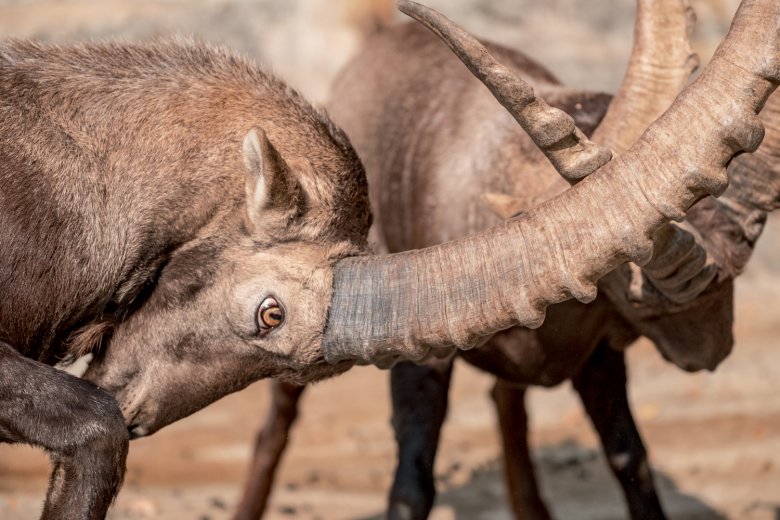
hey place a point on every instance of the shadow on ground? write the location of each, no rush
(576, 484)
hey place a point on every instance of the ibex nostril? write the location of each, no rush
(137, 431)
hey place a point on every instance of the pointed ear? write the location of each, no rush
(269, 184)
(505, 206)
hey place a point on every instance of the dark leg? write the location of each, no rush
(270, 444)
(78, 424)
(419, 406)
(518, 467)
(602, 387)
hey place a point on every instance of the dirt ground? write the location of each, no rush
(714, 439)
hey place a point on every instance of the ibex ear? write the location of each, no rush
(505, 206)
(269, 184)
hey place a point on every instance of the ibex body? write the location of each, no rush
(429, 157)
(434, 141)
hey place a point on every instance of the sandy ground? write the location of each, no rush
(714, 439)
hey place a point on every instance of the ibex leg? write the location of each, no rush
(77, 423)
(602, 388)
(521, 484)
(419, 407)
(270, 444)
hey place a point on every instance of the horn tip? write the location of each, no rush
(406, 6)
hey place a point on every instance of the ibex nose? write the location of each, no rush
(134, 427)
(136, 431)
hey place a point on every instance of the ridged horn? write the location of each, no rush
(661, 63)
(572, 154)
(753, 192)
(457, 293)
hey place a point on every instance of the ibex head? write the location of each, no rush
(248, 298)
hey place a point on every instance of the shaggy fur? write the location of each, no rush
(127, 230)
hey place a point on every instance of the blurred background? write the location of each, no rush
(714, 439)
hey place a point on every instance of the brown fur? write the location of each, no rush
(184, 107)
(433, 140)
(127, 230)
(89, 338)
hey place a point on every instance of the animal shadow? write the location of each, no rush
(575, 483)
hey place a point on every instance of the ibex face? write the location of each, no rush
(245, 301)
(177, 207)
(221, 318)
(695, 335)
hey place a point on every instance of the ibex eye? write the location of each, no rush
(269, 315)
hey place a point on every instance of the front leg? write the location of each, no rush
(521, 483)
(419, 407)
(77, 423)
(270, 444)
(602, 387)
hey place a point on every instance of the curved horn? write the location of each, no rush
(459, 292)
(572, 154)
(736, 220)
(756, 182)
(661, 62)
(753, 192)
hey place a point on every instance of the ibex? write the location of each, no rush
(198, 226)
(433, 140)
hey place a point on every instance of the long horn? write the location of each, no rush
(551, 129)
(753, 192)
(661, 62)
(457, 293)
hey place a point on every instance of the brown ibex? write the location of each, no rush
(433, 140)
(198, 226)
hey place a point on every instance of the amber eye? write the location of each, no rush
(270, 314)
